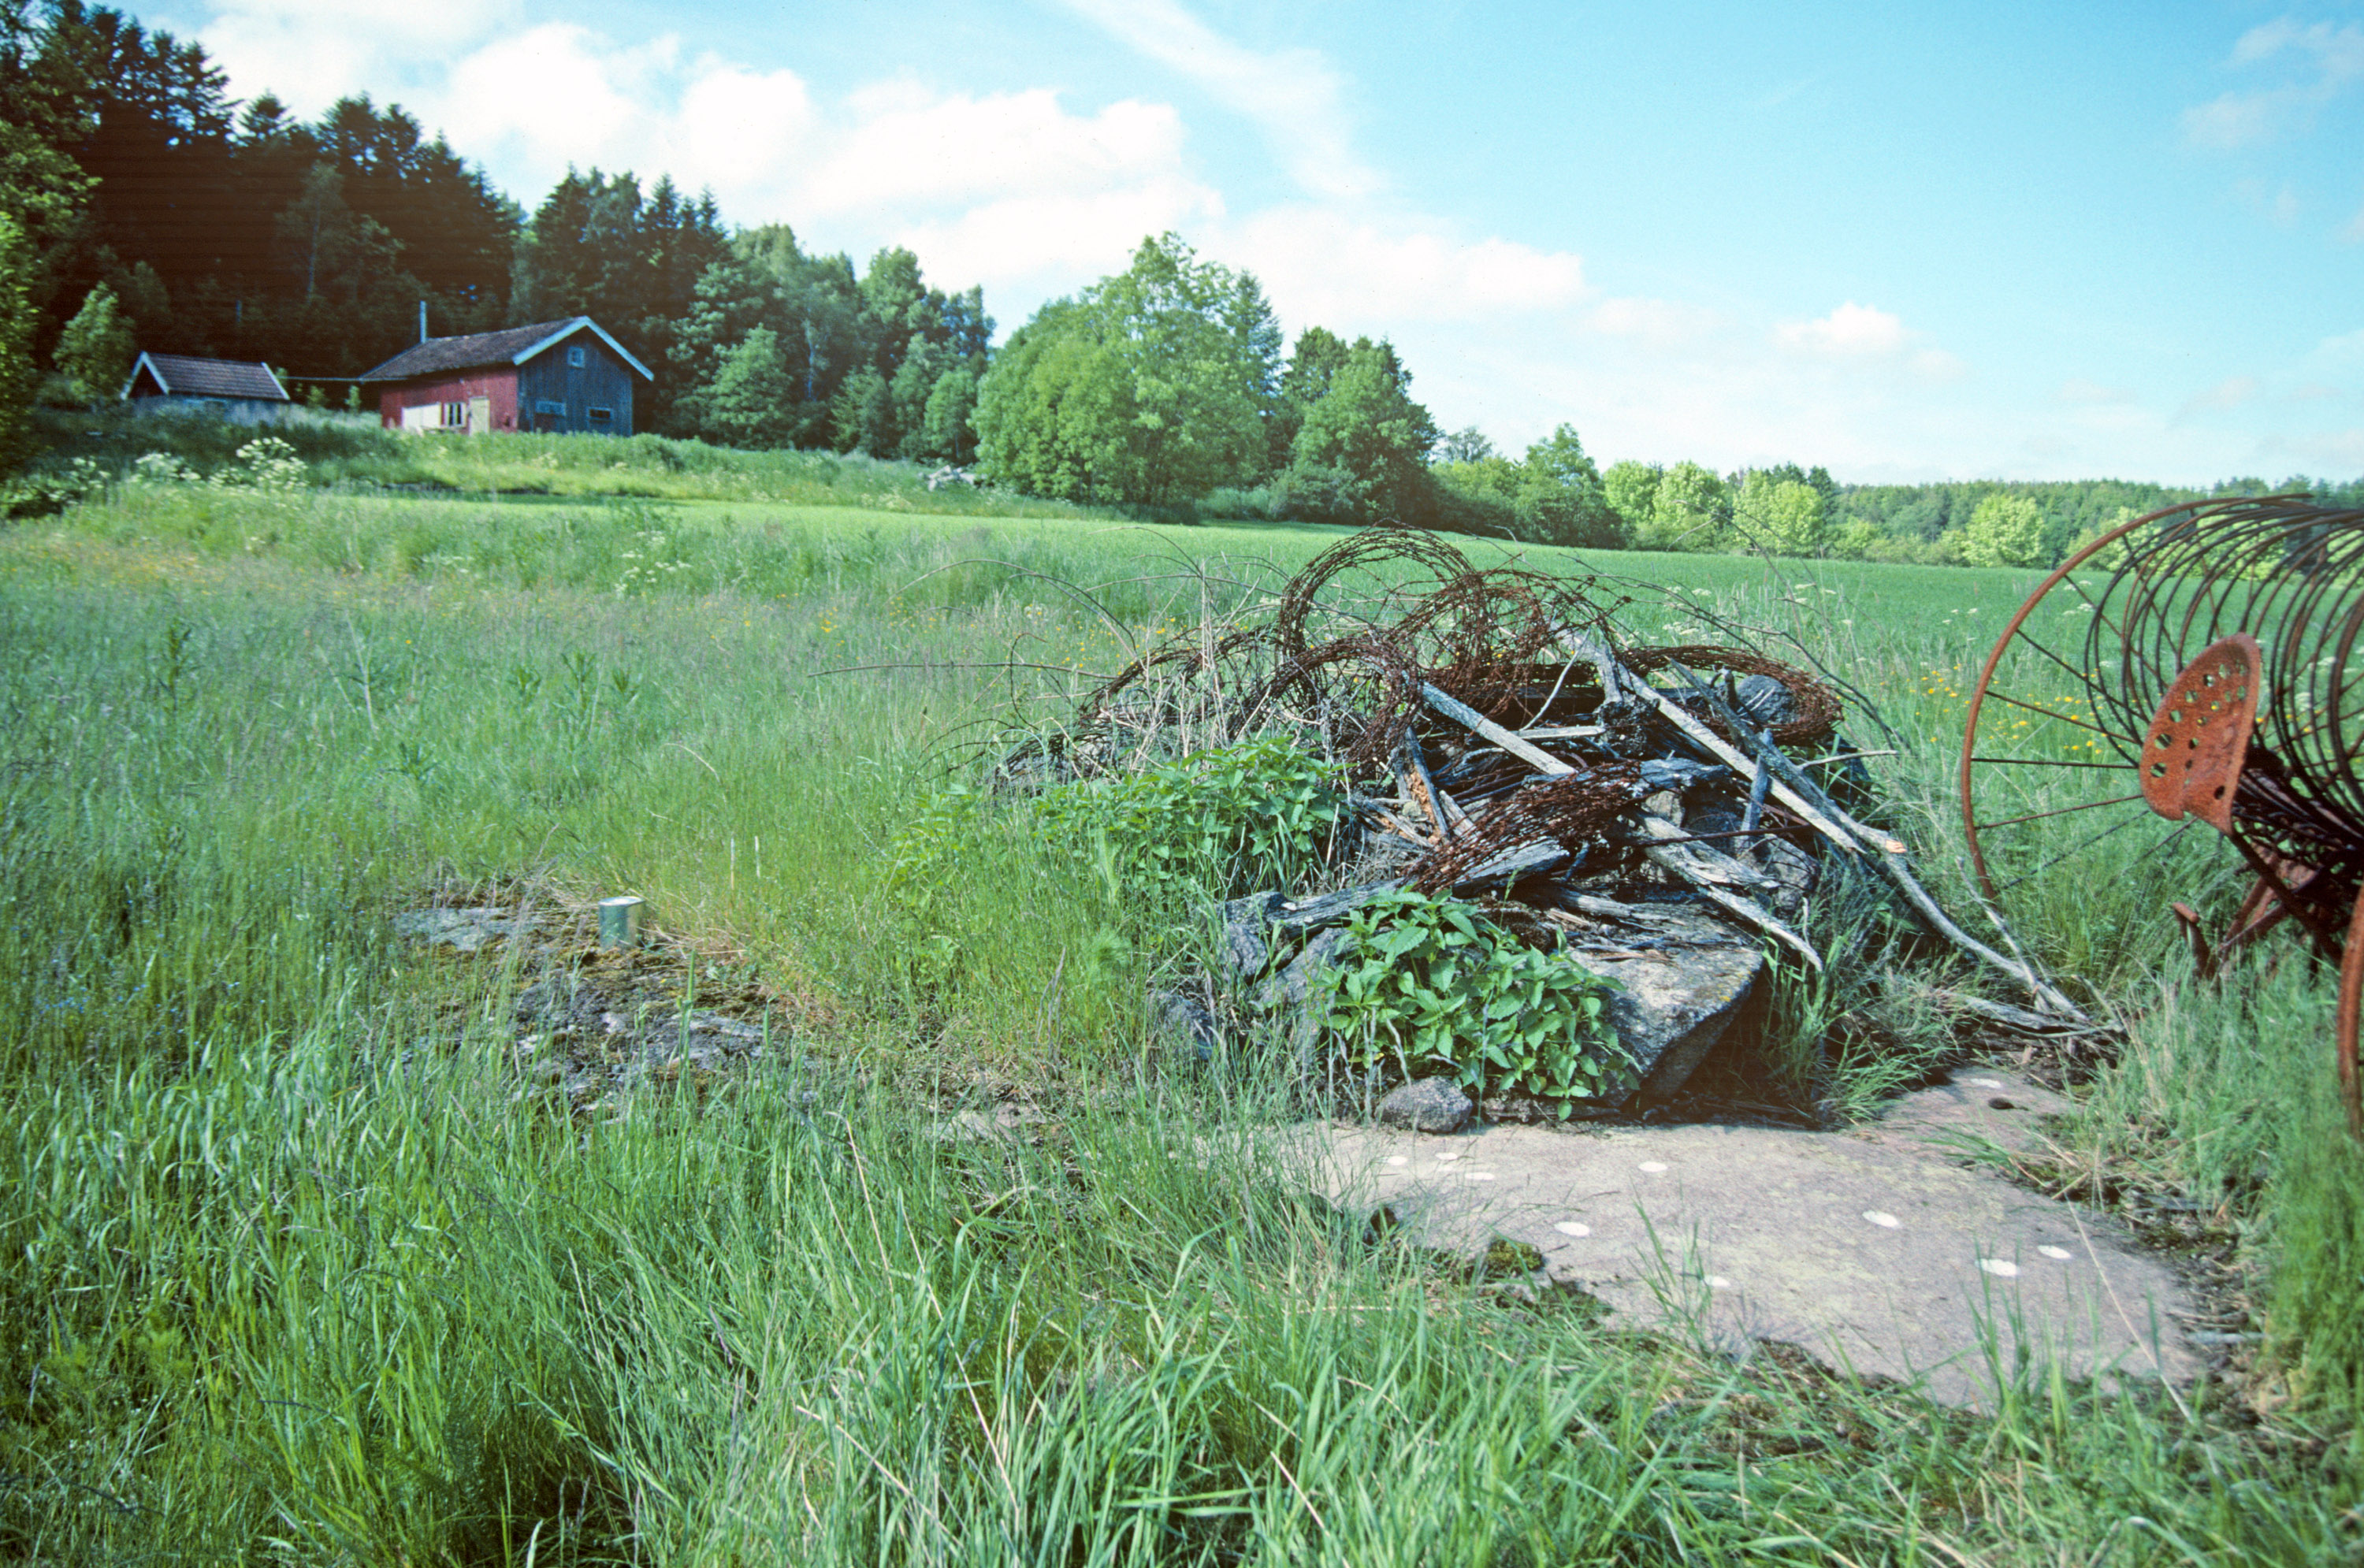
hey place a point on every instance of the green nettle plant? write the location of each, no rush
(1425, 981)
(1223, 821)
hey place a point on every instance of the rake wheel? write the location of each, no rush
(2193, 666)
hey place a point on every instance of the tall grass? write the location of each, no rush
(311, 1302)
(341, 451)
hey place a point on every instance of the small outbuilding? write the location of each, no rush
(560, 376)
(241, 391)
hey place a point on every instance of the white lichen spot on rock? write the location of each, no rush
(2001, 1268)
(1572, 1228)
(1882, 1218)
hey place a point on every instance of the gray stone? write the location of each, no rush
(1285, 1000)
(466, 930)
(1680, 988)
(1182, 1022)
(1876, 1249)
(1793, 870)
(1294, 985)
(1250, 925)
(1426, 1105)
(1247, 933)
(1765, 702)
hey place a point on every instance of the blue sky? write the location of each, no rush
(1907, 242)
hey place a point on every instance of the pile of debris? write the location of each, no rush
(1660, 814)
(596, 1024)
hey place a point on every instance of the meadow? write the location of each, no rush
(303, 1263)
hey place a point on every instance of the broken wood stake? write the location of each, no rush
(1672, 859)
(1891, 866)
(1713, 744)
(1526, 751)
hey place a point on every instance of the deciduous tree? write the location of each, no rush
(1689, 509)
(1142, 388)
(1363, 452)
(1780, 515)
(1632, 491)
(2004, 530)
(95, 350)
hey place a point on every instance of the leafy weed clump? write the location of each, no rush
(1223, 821)
(1423, 983)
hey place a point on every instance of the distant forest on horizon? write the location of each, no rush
(142, 208)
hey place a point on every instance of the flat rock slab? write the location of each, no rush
(1876, 1249)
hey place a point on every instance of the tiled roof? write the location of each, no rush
(187, 376)
(511, 345)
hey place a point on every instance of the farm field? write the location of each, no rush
(305, 1262)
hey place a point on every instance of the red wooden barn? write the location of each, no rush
(565, 376)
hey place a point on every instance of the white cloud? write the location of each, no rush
(2332, 452)
(310, 52)
(2230, 393)
(1364, 275)
(2337, 52)
(1851, 332)
(1293, 96)
(2235, 119)
(2279, 207)
(914, 148)
(1007, 189)
(2326, 59)
(1050, 244)
(894, 157)
(1866, 335)
(1662, 323)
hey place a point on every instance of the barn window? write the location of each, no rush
(575, 358)
(544, 405)
(455, 415)
(601, 416)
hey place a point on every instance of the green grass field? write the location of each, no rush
(303, 1263)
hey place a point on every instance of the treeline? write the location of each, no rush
(1166, 387)
(141, 208)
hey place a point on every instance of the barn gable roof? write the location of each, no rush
(510, 346)
(186, 376)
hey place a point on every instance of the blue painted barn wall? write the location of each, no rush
(555, 396)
